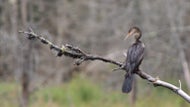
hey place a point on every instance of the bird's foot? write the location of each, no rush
(119, 68)
(116, 69)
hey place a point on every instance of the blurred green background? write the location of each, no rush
(80, 92)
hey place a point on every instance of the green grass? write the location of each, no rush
(77, 92)
(8, 95)
(81, 92)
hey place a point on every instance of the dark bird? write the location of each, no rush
(134, 58)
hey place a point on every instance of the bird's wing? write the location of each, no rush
(135, 54)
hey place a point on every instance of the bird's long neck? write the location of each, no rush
(138, 36)
(137, 40)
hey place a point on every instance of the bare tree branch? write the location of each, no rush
(69, 50)
(76, 53)
(157, 82)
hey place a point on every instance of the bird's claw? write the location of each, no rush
(119, 68)
(116, 69)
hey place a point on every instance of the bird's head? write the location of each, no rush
(134, 31)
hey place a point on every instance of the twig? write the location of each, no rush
(179, 84)
(76, 53)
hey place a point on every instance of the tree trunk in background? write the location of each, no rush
(26, 61)
(14, 15)
(136, 22)
(25, 83)
(175, 34)
(24, 12)
(134, 93)
(182, 52)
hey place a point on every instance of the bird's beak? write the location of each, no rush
(127, 36)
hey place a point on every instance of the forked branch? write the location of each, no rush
(77, 53)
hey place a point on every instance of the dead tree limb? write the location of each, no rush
(76, 53)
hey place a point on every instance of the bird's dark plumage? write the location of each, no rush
(134, 58)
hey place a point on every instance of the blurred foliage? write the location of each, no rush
(78, 91)
(81, 92)
(8, 95)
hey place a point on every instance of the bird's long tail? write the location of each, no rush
(128, 82)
